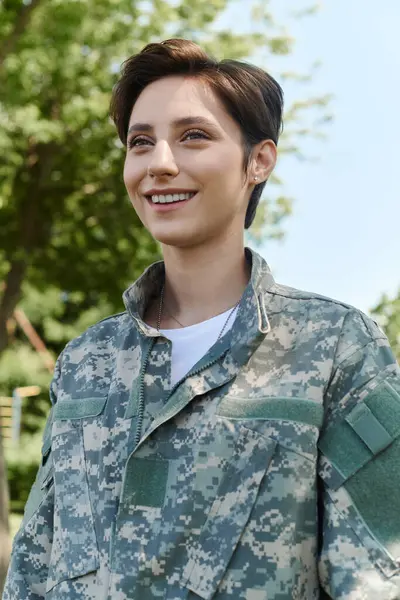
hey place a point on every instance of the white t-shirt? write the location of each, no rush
(189, 344)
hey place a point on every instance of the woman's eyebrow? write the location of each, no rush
(183, 121)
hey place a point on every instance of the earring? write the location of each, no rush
(255, 178)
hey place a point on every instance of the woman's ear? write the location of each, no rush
(264, 160)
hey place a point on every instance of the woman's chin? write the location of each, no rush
(176, 237)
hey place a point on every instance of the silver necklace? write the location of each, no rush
(160, 311)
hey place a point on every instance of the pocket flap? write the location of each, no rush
(74, 550)
(82, 570)
(210, 553)
(300, 410)
(79, 408)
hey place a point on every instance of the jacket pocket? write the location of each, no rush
(74, 550)
(360, 469)
(210, 553)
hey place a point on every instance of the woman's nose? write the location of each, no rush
(162, 161)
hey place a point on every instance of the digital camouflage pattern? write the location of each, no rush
(210, 489)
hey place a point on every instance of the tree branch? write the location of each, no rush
(10, 298)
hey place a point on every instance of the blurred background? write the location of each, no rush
(70, 243)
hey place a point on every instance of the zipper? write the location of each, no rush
(156, 423)
(138, 433)
(196, 372)
(141, 395)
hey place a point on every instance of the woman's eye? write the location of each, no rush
(137, 141)
(195, 134)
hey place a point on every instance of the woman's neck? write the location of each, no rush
(203, 282)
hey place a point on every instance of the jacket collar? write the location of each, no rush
(252, 315)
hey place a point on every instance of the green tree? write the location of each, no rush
(70, 241)
(387, 315)
(62, 199)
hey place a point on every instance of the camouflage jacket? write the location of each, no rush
(271, 471)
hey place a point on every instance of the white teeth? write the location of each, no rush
(163, 199)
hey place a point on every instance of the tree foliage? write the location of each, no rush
(387, 314)
(64, 214)
(70, 241)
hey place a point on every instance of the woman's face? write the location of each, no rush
(182, 141)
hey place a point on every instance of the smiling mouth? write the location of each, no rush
(163, 199)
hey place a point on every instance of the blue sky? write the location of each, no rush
(343, 239)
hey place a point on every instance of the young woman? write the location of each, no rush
(226, 437)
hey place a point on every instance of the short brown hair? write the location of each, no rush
(251, 97)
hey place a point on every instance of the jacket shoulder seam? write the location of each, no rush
(303, 295)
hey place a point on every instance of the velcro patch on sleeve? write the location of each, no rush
(366, 431)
